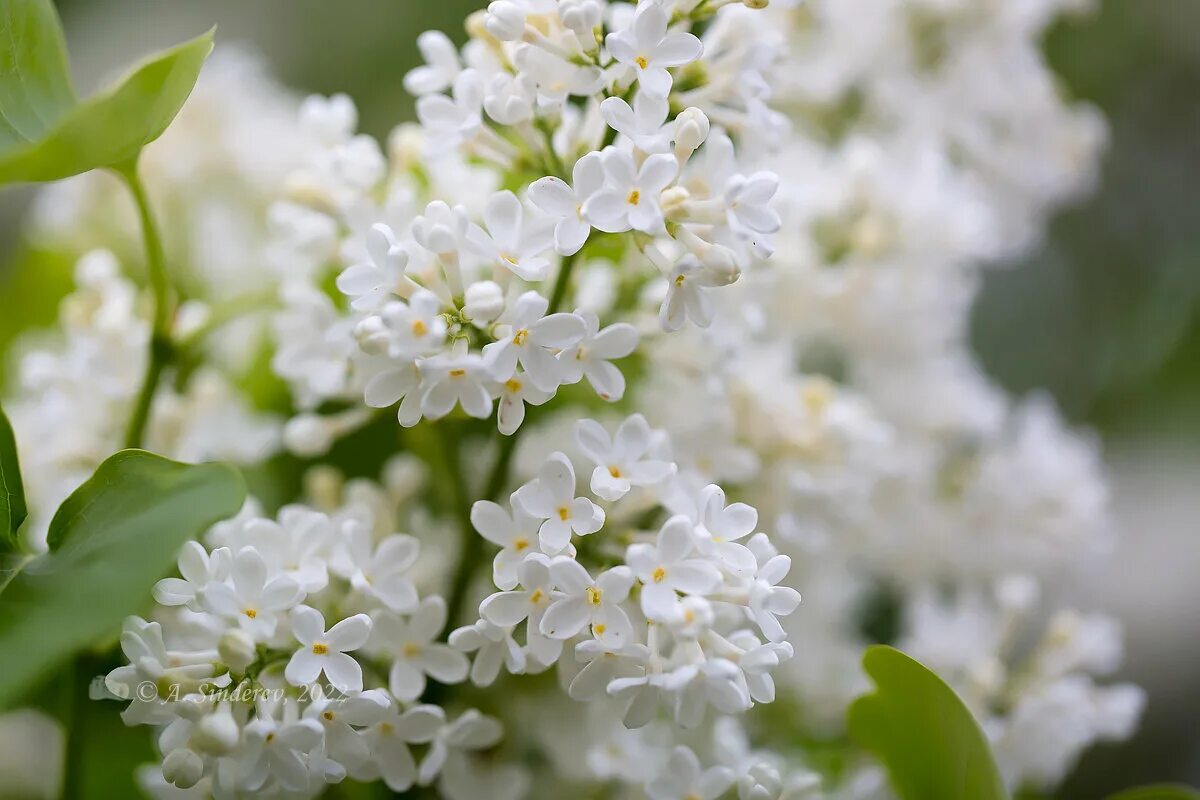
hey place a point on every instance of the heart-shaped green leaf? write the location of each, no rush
(1157, 792)
(12, 491)
(926, 737)
(110, 540)
(45, 135)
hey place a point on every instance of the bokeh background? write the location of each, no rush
(1104, 314)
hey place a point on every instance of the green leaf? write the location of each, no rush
(110, 540)
(1158, 792)
(110, 128)
(35, 83)
(12, 493)
(926, 737)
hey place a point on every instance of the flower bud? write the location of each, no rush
(371, 335)
(505, 20)
(236, 650)
(580, 16)
(484, 301)
(691, 129)
(308, 435)
(182, 768)
(216, 733)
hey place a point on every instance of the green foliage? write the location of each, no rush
(12, 493)
(110, 540)
(35, 83)
(47, 135)
(926, 737)
(1157, 792)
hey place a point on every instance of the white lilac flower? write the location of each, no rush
(565, 203)
(530, 339)
(493, 646)
(645, 123)
(717, 682)
(555, 78)
(279, 750)
(650, 50)
(748, 200)
(512, 242)
(683, 779)
(441, 66)
(667, 567)
(621, 460)
(586, 602)
(450, 379)
(512, 395)
(198, 569)
(592, 355)
(720, 526)
(551, 498)
(768, 600)
(324, 651)
(530, 601)
(388, 740)
(603, 664)
(631, 196)
(452, 120)
(340, 718)
(414, 653)
(380, 572)
(251, 597)
(373, 282)
(471, 731)
(516, 534)
(687, 295)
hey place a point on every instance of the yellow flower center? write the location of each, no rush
(419, 328)
(564, 513)
(594, 595)
(634, 197)
(327, 716)
(537, 596)
(659, 575)
(320, 649)
(614, 471)
(386, 728)
(513, 385)
(250, 612)
(599, 628)
(520, 543)
(520, 336)
(411, 649)
(642, 62)
(457, 373)
(679, 280)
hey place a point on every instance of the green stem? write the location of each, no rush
(472, 549)
(560, 284)
(161, 348)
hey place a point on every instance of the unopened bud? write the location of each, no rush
(216, 733)
(308, 435)
(484, 300)
(505, 20)
(691, 129)
(182, 768)
(236, 650)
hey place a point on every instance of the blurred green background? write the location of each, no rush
(1104, 314)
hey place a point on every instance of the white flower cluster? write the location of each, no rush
(74, 393)
(293, 652)
(704, 630)
(254, 692)
(454, 285)
(586, 178)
